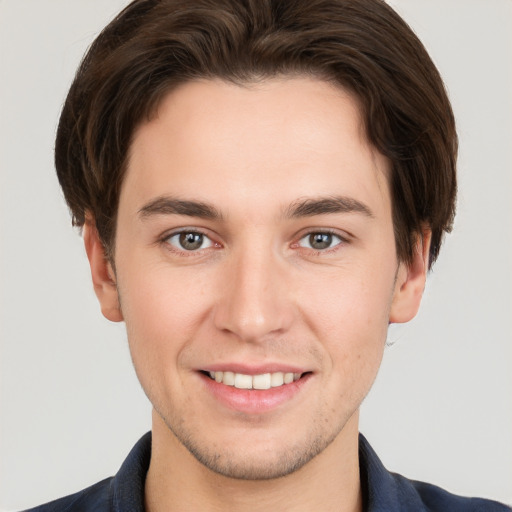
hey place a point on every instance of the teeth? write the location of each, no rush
(243, 381)
(288, 378)
(262, 381)
(228, 378)
(276, 379)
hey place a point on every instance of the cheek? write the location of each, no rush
(156, 295)
(162, 310)
(351, 305)
(349, 313)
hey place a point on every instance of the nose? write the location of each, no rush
(255, 302)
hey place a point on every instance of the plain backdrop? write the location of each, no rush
(71, 407)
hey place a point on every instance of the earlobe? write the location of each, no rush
(410, 282)
(102, 274)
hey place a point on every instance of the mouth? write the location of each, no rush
(256, 391)
(261, 381)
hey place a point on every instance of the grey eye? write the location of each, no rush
(190, 241)
(319, 241)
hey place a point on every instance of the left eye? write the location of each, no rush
(320, 241)
(190, 241)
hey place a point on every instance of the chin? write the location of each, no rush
(264, 466)
(253, 459)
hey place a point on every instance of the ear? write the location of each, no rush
(103, 276)
(410, 282)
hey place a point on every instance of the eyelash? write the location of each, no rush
(165, 240)
(342, 240)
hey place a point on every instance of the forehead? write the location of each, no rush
(241, 145)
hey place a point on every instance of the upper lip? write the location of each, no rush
(251, 369)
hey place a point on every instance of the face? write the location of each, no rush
(256, 270)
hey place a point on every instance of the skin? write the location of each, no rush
(256, 291)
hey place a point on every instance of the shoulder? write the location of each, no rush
(97, 498)
(436, 499)
(390, 492)
(413, 496)
(124, 492)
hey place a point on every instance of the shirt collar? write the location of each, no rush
(128, 484)
(382, 490)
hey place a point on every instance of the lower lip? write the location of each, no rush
(255, 401)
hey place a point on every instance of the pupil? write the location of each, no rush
(191, 241)
(320, 240)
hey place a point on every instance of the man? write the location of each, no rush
(262, 189)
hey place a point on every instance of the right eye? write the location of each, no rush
(189, 241)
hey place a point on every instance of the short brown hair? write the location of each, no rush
(360, 45)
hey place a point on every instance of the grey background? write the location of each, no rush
(71, 407)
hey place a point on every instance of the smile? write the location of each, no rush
(256, 390)
(261, 381)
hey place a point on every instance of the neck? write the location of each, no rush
(177, 481)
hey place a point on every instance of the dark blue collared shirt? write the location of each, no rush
(383, 491)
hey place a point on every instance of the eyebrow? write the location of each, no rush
(309, 207)
(166, 205)
(326, 205)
